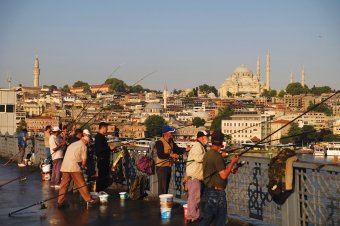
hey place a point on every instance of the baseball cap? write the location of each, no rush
(55, 129)
(202, 133)
(217, 138)
(166, 129)
(86, 131)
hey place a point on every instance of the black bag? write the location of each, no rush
(138, 188)
(276, 174)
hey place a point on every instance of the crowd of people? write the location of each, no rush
(72, 154)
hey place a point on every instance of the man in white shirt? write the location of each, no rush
(74, 161)
(56, 148)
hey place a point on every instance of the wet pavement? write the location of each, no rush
(31, 191)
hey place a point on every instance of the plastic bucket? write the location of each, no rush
(123, 195)
(103, 197)
(94, 195)
(165, 213)
(166, 200)
(185, 208)
(46, 168)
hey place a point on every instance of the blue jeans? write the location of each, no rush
(215, 208)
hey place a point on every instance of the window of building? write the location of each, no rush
(2, 108)
(9, 108)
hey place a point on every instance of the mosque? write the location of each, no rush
(243, 82)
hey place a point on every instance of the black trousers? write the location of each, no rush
(104, 178)
(163, 175)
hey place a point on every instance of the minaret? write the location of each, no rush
(36, 72)
(258, 69)
(268, 72)
(291, 78)
(165, 96)
(303, 76)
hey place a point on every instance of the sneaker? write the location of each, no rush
(57, 186)
(21, 165)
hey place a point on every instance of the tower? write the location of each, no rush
(36, 72)
(303, 76)
(258, 69)
(165, 97)
(268, 72)
(291, 78)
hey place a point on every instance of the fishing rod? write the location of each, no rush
(87, 103)
(103, 108)
(299, 116)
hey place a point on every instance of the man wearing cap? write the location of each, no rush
(22, 144)
(56, 146)
(215, 175)
(77, 135)
(74, 162)
(167, 150)
(102, 151)
(194, 172)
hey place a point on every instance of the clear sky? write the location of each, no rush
(188, 42)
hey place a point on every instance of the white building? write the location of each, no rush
(7, 112)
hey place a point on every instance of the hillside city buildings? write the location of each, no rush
(39, 106)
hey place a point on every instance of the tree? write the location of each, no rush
(319, 90)
(206, 89)
(321, 108)
(296, 89)
(22, 124)
(53, 87)
(65, 89)
(293, 134)
(282, 93)
(197, 122)
(224, 113)
(154, 124)
(117, 85)
(136, 89)
(269, 93)
(87, 89)
(80, 84)
(191, 94)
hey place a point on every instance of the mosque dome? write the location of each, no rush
(243, 69)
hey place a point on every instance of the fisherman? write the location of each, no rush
(77, 135)
(102, 151)
(74, 162)
(56, 145)
(194, 172)
(91, 167)
(47, 134)
(167, 151)
(22, 144)
(215, 175)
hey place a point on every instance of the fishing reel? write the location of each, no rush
(237, 166)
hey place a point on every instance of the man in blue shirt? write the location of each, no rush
(22, 144)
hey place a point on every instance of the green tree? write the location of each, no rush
(52, 87)
(270, 93)
(281, 93)
(197, 122)
(319, 90)
(191, 94)
(87, 89)
(206, 89)
(80, 84)
(224, 113)
(22, 124)
(296, 89)
(321, 108)
(293, 134)
(136, 89)
(65, 89)
(117, 85)
(154, 124)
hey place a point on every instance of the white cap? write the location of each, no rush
(86, 131)
(55, 129)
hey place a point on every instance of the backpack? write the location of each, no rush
(277, 187)
(138, 187)
(146, 165)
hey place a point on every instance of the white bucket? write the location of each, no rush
(46, 168)
(165, 213)
(166, 200)
(123, 195)
(94, 195)
(103, 197)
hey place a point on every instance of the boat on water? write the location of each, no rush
(319, 151)
(333, 148)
